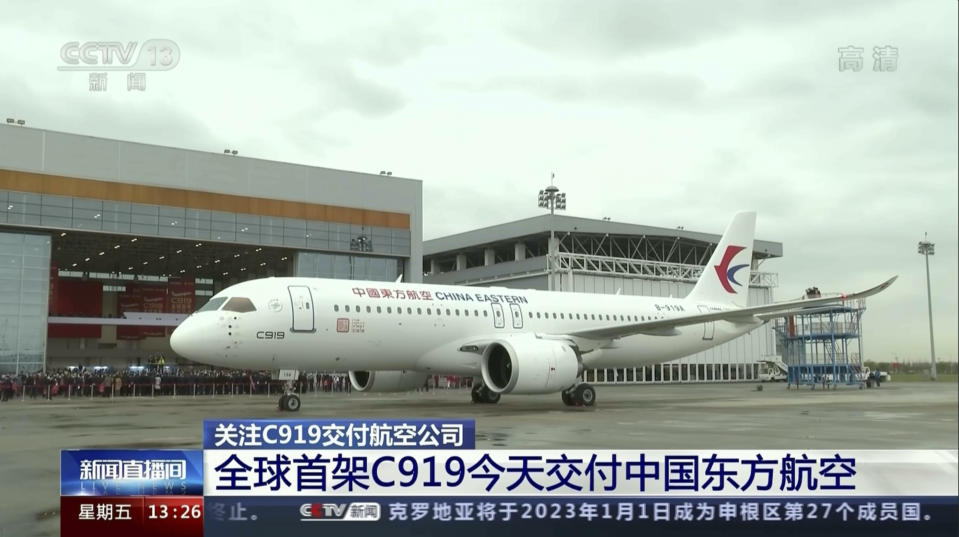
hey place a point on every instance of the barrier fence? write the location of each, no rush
(15, 391)
(166, 388)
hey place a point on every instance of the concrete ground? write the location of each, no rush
(911, 415)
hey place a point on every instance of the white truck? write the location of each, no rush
(772, 370)
(869, 377)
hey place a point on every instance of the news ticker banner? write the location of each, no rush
(413, 476)
(577, 516)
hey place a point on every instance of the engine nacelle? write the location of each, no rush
(387, 381)
(528, 365)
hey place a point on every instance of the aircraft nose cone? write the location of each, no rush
(185, 342)
(200, 339)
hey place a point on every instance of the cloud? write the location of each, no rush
(603, 88)
(617, 28)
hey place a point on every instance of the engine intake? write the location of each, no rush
(528, 365)
(386, 381)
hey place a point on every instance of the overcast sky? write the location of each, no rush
(664, 113)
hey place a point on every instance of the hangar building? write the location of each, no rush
(92, 228)
(600, 256)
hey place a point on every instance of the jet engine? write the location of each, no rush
(387, 381)
(528, 365)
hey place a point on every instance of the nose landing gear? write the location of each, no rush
(289, 401)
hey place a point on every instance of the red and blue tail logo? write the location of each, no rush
(725, 272)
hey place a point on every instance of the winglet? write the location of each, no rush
(869, 292)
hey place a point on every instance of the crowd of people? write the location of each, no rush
(159, 381)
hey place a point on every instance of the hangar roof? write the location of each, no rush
(537, 226)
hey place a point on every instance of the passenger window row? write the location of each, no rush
(456, 312)
(409, 310)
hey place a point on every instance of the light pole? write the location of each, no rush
(927, 249)
(551, 198)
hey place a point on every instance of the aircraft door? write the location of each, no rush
(517, 314)
(304, 319)
(498, 320)
(709, 329)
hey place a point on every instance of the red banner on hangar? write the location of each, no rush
(181, 296)
(154, 301)
(74, 298)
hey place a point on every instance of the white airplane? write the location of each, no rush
(392, 336)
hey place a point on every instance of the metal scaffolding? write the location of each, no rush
(823, 346)
(657, 270)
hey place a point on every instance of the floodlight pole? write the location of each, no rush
(551, 198)
(927, 248)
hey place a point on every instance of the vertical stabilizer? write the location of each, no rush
(725, 278)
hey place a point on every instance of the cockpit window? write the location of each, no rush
(239, 304)
(213, 304)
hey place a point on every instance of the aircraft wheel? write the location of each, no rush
(292, 403)
(282, 404)
(491, 396)
(567, 398)
(482, 394)
(585, 395)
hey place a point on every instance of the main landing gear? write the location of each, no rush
(289, 401)
(483, 395)
(579, 395)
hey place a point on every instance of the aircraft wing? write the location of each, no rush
(750, 315)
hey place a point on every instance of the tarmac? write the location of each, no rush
(909, 415)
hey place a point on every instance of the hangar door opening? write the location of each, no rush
(302, 301)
